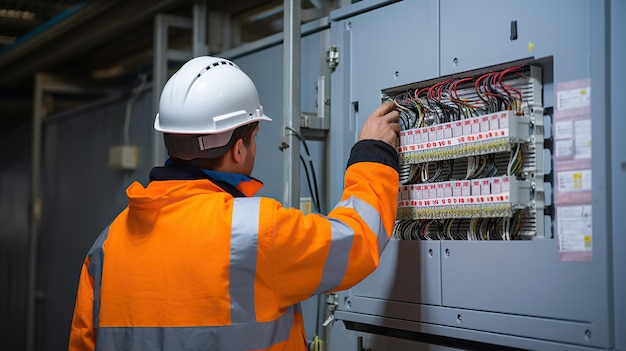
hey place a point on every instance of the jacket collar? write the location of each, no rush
(238, 185)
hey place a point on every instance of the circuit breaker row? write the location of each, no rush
(471, 152)
(486, 134)
(486, 197)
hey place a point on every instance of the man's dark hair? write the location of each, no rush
(244, 133)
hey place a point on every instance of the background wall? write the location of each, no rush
(15, 150)
(81, 194)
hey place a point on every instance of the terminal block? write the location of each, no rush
(491, 133)
(486, 197)
(471, 152)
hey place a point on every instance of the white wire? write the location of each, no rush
(471, 235)
(512, 159)
(471, 166)
(425, 172)
(505, 228)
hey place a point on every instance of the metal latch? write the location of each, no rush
(328, 320)
(333, 57)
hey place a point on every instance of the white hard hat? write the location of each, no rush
(208, 96)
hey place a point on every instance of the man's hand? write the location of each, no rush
(382, 124)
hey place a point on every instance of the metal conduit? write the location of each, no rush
(291, 105)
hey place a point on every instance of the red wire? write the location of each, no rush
(476, 85)
(505, 86)
(456, 94)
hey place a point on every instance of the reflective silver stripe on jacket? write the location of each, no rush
(371, 217)
(342, 235)
(337, 261)
(236, 337)
(243, 250)
(96, 260)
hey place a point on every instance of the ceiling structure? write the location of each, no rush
(108, 43)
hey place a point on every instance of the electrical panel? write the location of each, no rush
(471, 156)
(506, 232)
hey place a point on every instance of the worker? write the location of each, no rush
(196, 262)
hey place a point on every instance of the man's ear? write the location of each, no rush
(237, 151)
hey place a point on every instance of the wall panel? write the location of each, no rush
(15, 147)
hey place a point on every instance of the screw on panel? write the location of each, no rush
(455, 62)
(430, 252)
(447, 252)
(587, 334)
(397, 75)
(459, 318)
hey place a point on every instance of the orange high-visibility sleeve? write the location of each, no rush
(82, 333)
(314, 254)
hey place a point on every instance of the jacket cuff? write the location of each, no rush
(374, 151)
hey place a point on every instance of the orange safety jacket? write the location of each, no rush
(194, 263)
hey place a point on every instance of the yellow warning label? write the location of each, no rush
(578, 180)
(587, 239)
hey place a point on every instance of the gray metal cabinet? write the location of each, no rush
(516, 294)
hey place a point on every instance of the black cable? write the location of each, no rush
(458, 230)
(308, 180)
(308, 154)
(494, 167)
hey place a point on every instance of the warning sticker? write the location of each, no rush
(574, 223)
(582, 139)
(578, 180)
(572, 165)
(573, 98)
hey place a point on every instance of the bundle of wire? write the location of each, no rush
(450, 100)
